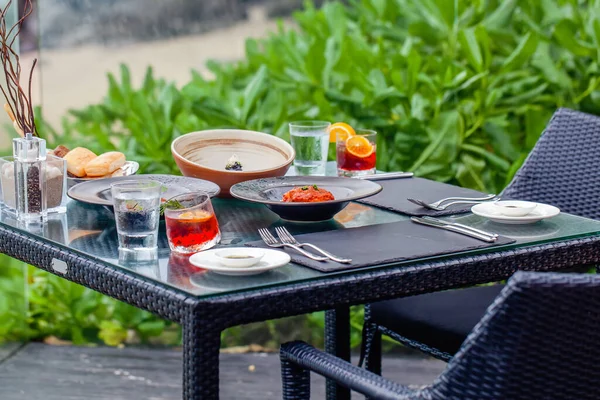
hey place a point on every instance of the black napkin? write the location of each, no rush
(382, 244)
(395, 193)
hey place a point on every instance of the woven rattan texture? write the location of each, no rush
(337, 341)
(331, 292)
(201, 344)
(136, 291)
(220, 312)
(538, 340)
(297, 358)
(204, 319)
(296, 380)
(563, 168)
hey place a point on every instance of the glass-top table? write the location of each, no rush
(81, 246)
(90, 230)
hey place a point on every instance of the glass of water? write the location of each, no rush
(310, 140)
(137, 213)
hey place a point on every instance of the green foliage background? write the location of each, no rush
(459, 91)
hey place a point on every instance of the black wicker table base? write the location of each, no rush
(203, 319)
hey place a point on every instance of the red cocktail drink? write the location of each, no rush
(356, 154)
(191, 223)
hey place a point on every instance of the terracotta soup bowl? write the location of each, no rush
(205, 154)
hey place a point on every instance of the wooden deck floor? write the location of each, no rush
(38, 371)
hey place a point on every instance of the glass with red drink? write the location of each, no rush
(191, 223)
(356, 152)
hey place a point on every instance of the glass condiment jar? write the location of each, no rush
(30, 177)
(56, 184)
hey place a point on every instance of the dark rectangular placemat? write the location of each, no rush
(386, 243)
(395, 193)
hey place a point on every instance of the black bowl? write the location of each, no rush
(270, 192)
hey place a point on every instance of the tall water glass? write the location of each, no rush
(310, 140)
(137, 213)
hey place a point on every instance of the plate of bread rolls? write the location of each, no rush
(83, 164)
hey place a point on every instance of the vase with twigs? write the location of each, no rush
(19, 102)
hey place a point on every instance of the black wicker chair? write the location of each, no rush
(563, 170)
(538, 340)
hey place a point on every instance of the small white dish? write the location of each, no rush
(492, 212)
(515, 208)
(239, 257)
(210, 261)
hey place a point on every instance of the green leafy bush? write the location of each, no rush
(458, 90)
(13, 308)
(51, 306)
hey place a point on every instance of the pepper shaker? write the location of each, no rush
(30, 177)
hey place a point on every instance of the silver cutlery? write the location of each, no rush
(286, 237)
(462, 231)
(441, 221)
(437, 206)
(386, 175)
(270, 241)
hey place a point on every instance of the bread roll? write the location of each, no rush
(77, 159)
(105, 164)
(61, 151)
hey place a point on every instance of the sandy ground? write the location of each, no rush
(75, 77)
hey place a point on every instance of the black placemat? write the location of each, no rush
(395, 193)
(386, 243)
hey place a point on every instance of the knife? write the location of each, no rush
(469, 228)
(387, 175)
(452, 228)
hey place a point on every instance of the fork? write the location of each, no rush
(286, 237)
(270, 241)
(459, 200)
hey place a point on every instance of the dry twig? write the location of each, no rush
(18, 100)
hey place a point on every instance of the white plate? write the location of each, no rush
(490, 211)
(209, 261)
(128, 169)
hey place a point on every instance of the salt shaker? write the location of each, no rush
(30, 177)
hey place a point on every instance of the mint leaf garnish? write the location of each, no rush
(172, 204)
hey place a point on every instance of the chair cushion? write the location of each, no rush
(441, 320)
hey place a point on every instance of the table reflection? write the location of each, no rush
(210, 281)
(91, 230)
(105, 244)
(179, 270)
(143, 263)
(538, 230)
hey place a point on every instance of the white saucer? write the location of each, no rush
(490, 211)
(209, 261)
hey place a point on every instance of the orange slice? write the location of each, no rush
(359, 146)
(343, 129)
(194, 216)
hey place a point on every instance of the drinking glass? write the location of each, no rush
(191, 223)
(56, 184)
(137, 213)
(7, 184)
(356, 154)
(310, 140)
